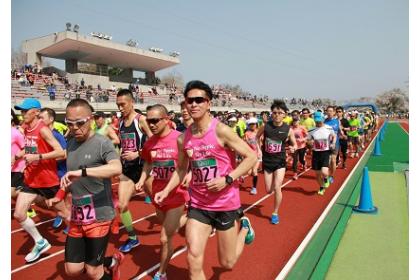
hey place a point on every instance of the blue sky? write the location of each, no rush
(330, 49)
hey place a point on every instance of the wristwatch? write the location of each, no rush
(84, 173)
(229, 180)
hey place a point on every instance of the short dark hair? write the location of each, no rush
(295, 112)
(51, 113)
(277, 103)
(195, 84)
(125, 92)
(158, 107)
(339, 108)
(78, 102)
(305, 109)
(15, 119)
(330, 106)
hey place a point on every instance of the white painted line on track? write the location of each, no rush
(289, 265)
(183, 249)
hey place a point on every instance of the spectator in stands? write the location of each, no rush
(82, 83)
(51, 91)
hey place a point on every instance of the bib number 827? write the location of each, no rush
(204, 174)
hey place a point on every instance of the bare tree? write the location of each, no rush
(173, 78)
(18, 59)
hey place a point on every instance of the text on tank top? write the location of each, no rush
(131, 138)
(209, 160)
(275, 139)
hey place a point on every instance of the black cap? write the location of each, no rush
(99, 114)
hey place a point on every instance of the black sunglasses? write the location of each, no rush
(154, 121)
(197, 100)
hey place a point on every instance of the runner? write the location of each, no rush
(334, 123)
(160, 153)
(92, 162)
(48, 115)
(306, 120)
(322, 139)
(103, 128)
(133, 130)
(251, 139)
(186, 118)
(17, 166)
(275, 134)
(353, 134)
(343, 139)
(301, 135)
(215, 203)
(40, 175)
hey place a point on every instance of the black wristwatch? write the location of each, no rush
(84, 173)
(229, 180)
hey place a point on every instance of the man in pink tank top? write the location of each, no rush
(160, 153)
(209, 148)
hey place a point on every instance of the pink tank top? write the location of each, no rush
(209, 160)
(18, 143)
(251, 139)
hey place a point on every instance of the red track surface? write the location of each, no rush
(404, 125)
(263, 259)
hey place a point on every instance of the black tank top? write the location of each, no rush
(131, 140)
(275, 141)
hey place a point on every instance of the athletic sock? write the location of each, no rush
(254, 181)
(128, 223)
(29, 226)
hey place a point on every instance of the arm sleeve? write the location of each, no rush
(108, 152)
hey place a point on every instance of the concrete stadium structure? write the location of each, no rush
(74, 47)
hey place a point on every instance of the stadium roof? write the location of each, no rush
(73, 45)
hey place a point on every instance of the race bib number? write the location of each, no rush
(321, 145)
(163, 169)
(272, 146)
(83, 210)
(203, 170)
(31, 149)
(128, 142)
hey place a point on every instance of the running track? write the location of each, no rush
(263, 259)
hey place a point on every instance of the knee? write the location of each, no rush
(94, 272)
(164, 239)
(74, 271)
(227, 263)
(194, 261)
(20, 216)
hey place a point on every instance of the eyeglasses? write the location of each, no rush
(197, 100)
(154, 121)
(77, 123)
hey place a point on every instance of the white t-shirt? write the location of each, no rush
(322, 137)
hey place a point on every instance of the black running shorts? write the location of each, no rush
(91, 251)
(17, 180)
(44, 192)
(273, 166)
(320, 159)
(220, 220)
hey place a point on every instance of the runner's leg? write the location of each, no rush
(197, 234)
(230, 244)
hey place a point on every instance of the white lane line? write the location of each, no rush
(289, 265)
(183, 249)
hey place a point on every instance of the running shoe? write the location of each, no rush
(253, 191)
(147, 200)
(31, 213)
(331, 178)
(57, 222)
(39, 248)
(321, 191)
(275, 219)
(295, 176)
(129, 244)
(326, 183)
(250, 236)
(159, 276)
(119, 258)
